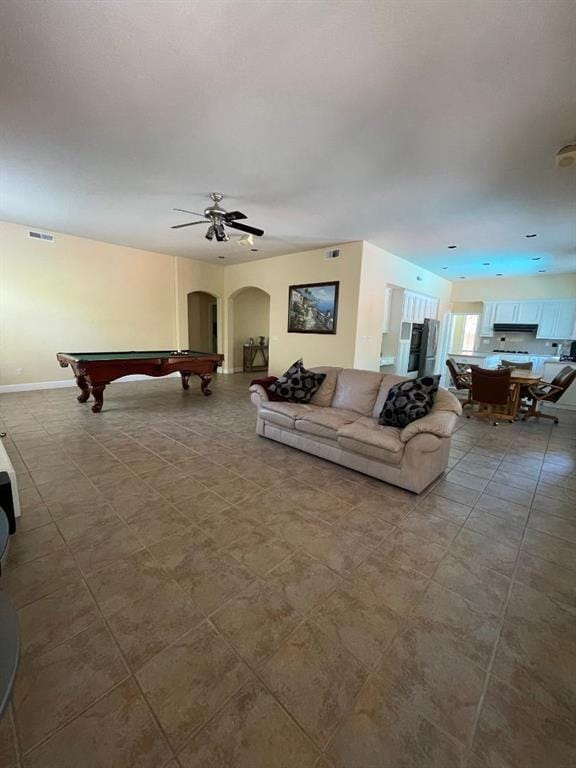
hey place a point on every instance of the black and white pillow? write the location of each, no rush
(297, 385)
(408, 401)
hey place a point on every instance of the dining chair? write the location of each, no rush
(460, 378)
(520, 366)
(548, 392)
(492, 392)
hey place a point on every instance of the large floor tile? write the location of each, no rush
(457, 623)
(30, 581)
(304, 581)
(257, 621)
(315, 678)
(188, 682)
(8, 754)
(440, 683)
(54, 686)
(149, 624)
(390, 583)
(516, 731)
(115, 731)
(481, 586)
(381, 731)
(354, 615)
(47, 622)
(260, 550)
(405, 549)
(251, 731)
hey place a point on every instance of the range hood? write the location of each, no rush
(515, 328)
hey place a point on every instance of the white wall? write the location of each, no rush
(494, 289)
(78, 295)
(274, 276)
(380, 268)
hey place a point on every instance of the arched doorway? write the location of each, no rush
(249, 313)
(202, 321)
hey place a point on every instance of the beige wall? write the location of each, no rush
(380, 268)
(467, 307)
(76, 295)
(191, 275)
(200, 321)
(251, 319)
(275, 276)
(502, 288)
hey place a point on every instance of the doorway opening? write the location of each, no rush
(202, 321)
(249, 312)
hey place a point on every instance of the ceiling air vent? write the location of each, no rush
(332, 254)
(41, 236)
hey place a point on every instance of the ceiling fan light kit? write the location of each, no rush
(218, 219)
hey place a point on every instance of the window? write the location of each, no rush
(470, 331)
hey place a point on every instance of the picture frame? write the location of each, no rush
(313, 308)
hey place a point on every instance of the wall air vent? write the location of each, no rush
(41, 236)
(332, 254)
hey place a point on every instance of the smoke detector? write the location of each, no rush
(566, 157)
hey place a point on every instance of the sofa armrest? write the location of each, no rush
(439, 423)
(258, 394)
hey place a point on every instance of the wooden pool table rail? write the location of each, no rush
(92, 376)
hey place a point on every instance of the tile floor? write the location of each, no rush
(193, 596)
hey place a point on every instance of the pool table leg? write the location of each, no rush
(83, 384)
(97, 391)
(205, 380)
(185, 379)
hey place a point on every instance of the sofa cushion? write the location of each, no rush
(323, 396)
(297, 384)
(388, 381)
(408, 401)
(367, 437)
(283, 414)
(356, 390)
(325, 422)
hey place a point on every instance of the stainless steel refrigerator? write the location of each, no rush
(428, 348)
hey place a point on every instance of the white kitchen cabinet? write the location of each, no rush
(555, 318)
(558, 319)
(487, 319)
(402, 358)
(528, 312)
(505, 312)
(417, 307)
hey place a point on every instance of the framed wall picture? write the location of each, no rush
(313, 308)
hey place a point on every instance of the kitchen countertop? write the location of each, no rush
(548, 358)
(472, 354)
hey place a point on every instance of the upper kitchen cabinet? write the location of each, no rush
(558, 320)
(555, 318)
(487, 321)
(417, 307)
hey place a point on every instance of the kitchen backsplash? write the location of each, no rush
(523, 342)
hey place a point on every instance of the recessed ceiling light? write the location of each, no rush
(485, 263)
(462, 277)
(541, 270)
(536, 258)
(444, 267)
(254, 250)
(498, 274)
(451, 247)
(534, 235)
(221, 257)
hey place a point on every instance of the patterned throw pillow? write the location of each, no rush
(297, 384)
(408, 401)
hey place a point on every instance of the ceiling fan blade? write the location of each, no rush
(183, 210)
(190, 224)
(245, 228)
(233, 215)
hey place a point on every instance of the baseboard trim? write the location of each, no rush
(29, 387)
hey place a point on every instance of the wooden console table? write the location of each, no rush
(251, 352)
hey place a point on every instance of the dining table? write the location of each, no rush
(519, 378)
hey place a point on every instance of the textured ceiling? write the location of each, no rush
(414, 124)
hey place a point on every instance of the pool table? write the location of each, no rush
(94, 370)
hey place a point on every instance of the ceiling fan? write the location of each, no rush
(218, 219)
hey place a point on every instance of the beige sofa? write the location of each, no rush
(341, 425)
